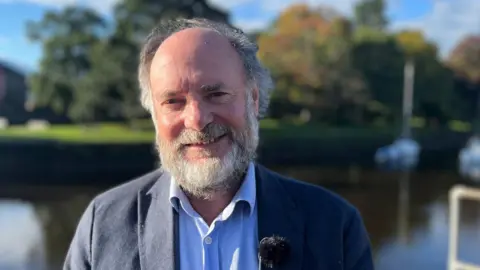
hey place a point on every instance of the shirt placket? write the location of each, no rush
(211, 248)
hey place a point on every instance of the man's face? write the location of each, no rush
(204, 114)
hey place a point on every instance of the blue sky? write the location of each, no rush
(443, 21)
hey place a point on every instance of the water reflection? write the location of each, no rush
(403, 208)
(22, 244)
(405, 214)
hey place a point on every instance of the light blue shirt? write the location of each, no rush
(230, 242)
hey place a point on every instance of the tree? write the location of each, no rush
(308, 53)
(380, 61)
(381, 58)
(465, 59)
(290, 45)
(343, 88)
(371, 14)
(67, 38)
(433, 82)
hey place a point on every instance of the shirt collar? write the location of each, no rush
(246, 193)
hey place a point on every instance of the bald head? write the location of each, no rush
(194, 41)
(199, 48)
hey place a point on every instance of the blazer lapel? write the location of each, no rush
(277, 215)
(157, 227)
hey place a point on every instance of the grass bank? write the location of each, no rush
(113, 152)
(105, 133)
(114, 133)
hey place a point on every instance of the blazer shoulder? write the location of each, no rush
(128, 191)
(313, 197)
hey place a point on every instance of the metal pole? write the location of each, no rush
(408, 84)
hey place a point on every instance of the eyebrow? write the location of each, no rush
(211, 87)
(205, 88)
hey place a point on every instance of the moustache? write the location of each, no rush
(209, 133)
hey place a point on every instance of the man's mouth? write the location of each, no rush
(203, 143)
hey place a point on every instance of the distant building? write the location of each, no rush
(13, 94)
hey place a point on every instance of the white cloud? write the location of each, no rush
(447, 22)
(251, 25)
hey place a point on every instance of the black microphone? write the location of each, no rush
(272, 251)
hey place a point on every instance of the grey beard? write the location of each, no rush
(214, 175)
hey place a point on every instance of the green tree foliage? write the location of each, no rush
(371, 14)
(67, 38)
(380, 60)
(433, 83)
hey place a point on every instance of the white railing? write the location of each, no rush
(457, 193)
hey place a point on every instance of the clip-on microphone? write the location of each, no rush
(272, 251)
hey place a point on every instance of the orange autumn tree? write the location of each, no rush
(308, 52)
(465, 59)
(288, 49)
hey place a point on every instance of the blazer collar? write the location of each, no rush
(158, 227)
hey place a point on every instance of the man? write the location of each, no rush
(210, 204)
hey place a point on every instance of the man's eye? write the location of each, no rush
(218, 94)
(218, 97)
(173, 104)
(173, 101)
(170, 101)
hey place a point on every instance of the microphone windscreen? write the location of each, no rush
(273, 250)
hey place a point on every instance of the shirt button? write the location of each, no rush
(208, 240)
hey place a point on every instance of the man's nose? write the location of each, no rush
(197, 115)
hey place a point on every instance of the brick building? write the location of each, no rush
(13, 94)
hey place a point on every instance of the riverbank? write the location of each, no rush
(57, 162)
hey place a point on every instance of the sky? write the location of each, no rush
(444, 22)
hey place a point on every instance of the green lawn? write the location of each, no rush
(119, 133)
(105, 133)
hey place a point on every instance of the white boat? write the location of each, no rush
(469, 160)
(402, 154)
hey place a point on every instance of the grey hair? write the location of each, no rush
(256, 75)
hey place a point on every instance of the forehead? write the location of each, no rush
(197, 55)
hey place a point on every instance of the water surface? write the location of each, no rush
(406, 216)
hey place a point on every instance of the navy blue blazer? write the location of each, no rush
(133, 226)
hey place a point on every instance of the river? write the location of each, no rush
(406, 216)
